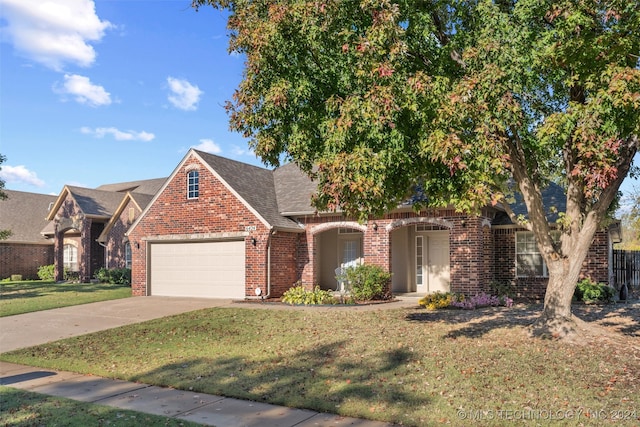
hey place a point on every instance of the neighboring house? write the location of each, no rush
(26, 249)
(87, 225)
(220, 228)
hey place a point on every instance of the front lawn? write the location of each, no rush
(28, 296)
(408, 366)
(23, 408)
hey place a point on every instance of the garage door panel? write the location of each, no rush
(204, 269)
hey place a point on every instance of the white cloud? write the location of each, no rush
(84, 91)
(118, 135)
(238, 151)
(207, 145)
(20, 174)
(184, 95)
(53, 32)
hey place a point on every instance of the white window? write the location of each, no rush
(70, 256)
(193, 185)
(127, 255)
(529, 260)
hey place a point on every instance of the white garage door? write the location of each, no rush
(204, 269)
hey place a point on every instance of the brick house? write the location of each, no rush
(221, 228)
(26, 248)
(87, 225)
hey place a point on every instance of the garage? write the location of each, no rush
(202, 269)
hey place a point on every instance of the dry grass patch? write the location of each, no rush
(406, 366)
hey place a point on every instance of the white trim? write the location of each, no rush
(419, 220)
(337, 224)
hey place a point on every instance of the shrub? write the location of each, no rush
(115, 276)
(102, 275)
(589, 291)
(367, 282)
(502, 289)
(438, 300)
(482, 300)
(47, 272)
(120, 276)
(16, 277)
(300, 295)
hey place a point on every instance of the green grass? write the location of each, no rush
(23, 408)
(407, 366)
(28, 296)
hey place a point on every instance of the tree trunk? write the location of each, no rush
(556, 320)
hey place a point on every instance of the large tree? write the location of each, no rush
(4, 234)
(470, 101)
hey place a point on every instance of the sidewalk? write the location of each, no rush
(201, 408)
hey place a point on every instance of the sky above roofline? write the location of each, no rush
(106, 91)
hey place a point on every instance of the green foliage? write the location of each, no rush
(300, 295)
(590, 292)
(115, 276)
(102, 275)
(47, 272)
(502, 289)
(367, 282)
(4, 234)
(471, 102)
(439, 300)
(16, 277)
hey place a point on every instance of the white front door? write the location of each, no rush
(432, 262)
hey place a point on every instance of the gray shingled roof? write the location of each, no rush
(96, 202)
(142, 200)
(294, 189)
(24, 214)
(254, 184)
(147, 186)
(553, 197)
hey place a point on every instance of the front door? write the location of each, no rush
(432, 262)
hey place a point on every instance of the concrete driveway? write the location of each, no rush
(25, 330)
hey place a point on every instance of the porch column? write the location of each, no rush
(84, 259)
(377, 245)
(58, 253)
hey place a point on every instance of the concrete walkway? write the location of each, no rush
(30, 329)
(201, 408)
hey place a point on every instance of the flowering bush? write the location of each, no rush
(438, 300)
(482, 300)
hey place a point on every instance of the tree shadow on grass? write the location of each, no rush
(35, 291)
(311, 379)
(624, 319)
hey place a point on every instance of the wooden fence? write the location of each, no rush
(626, 269)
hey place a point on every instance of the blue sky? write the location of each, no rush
(113, 90)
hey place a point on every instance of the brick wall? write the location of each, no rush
(116, 239)
(215, 212)
(595, 266)
(470, 260)
(24, 259)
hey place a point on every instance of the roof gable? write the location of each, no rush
(254, 186)
(139, 200)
